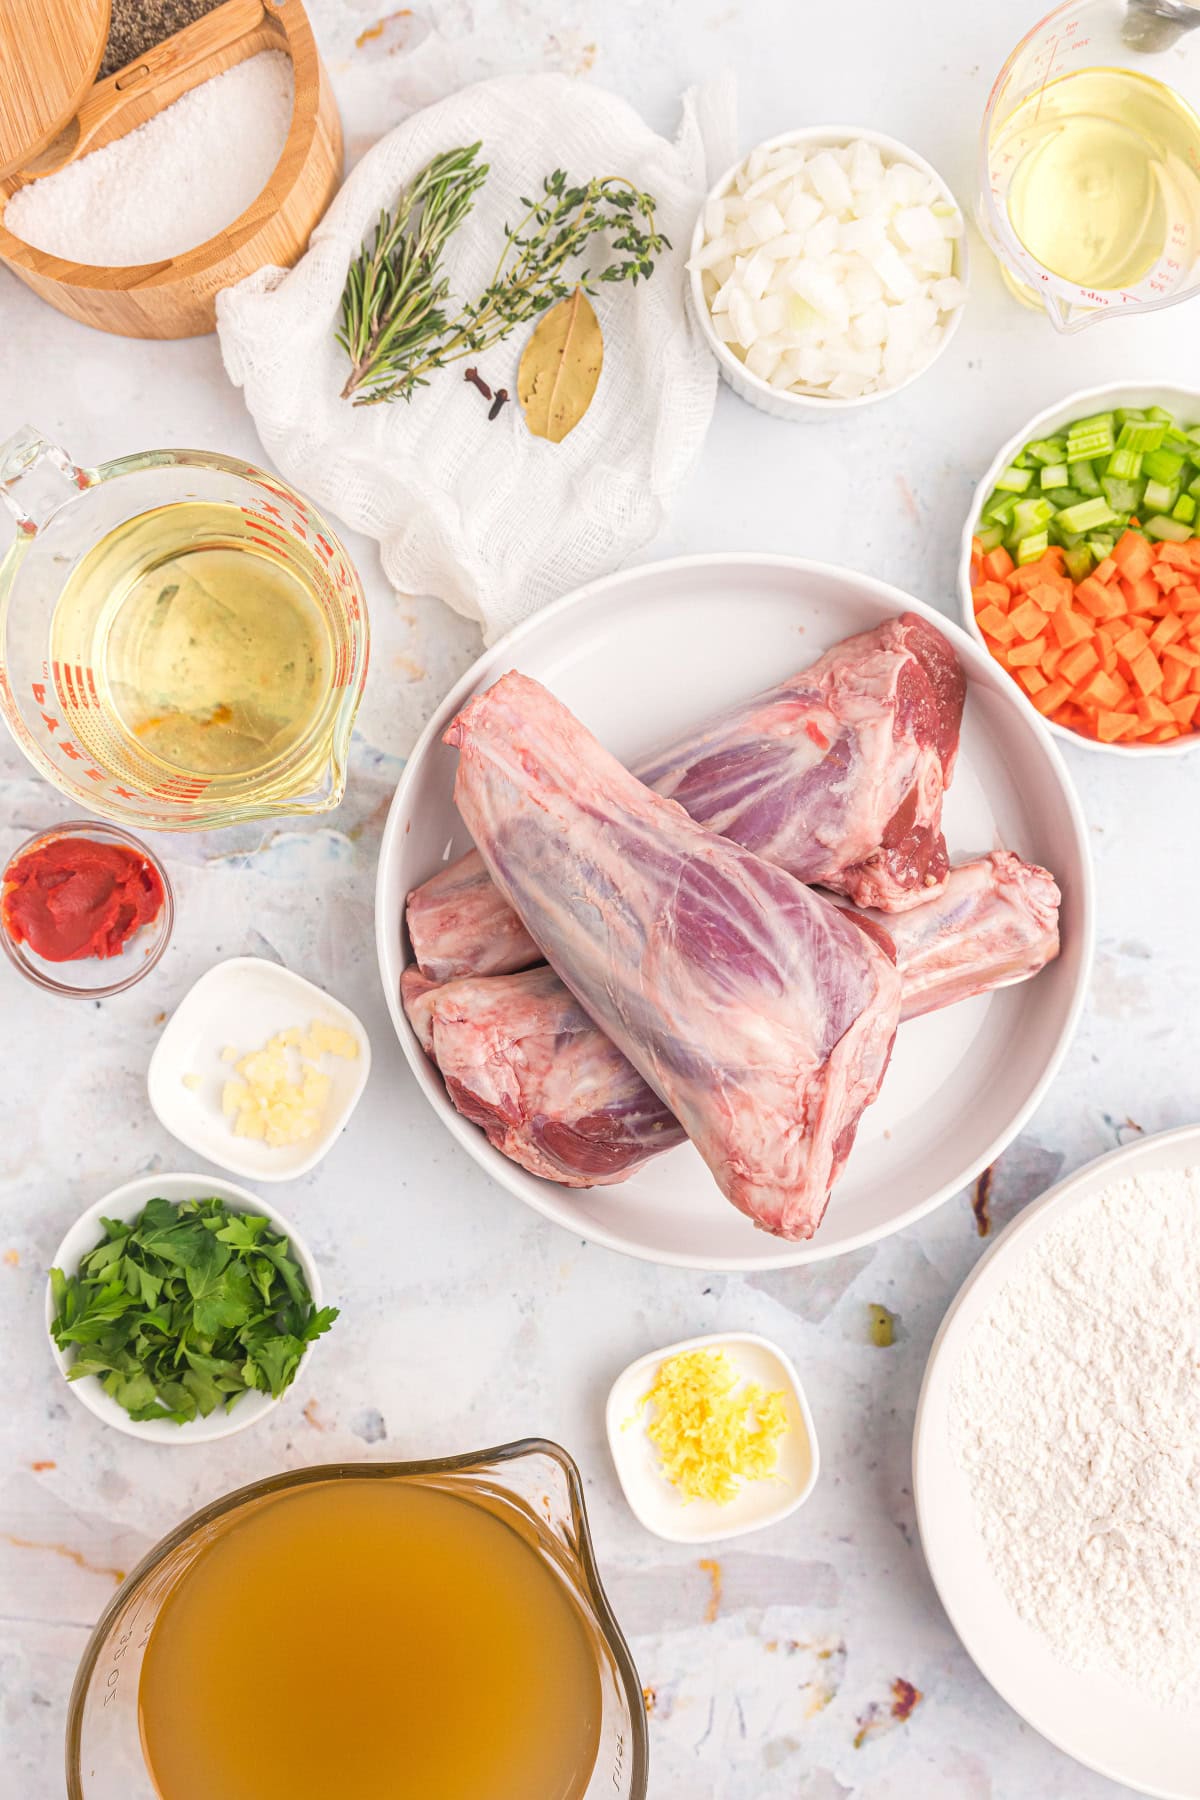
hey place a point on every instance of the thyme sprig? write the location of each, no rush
(410, 335)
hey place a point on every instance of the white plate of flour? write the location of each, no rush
(1056, 1465)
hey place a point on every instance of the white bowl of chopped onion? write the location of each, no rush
(828, 270)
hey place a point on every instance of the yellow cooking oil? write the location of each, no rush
(1105, 181)
(205, 652)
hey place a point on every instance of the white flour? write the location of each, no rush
(1075, 1414)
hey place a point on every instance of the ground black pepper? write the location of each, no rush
(137, 25)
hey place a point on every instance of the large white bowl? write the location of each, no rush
(642, 654)
(1094, 1718)
(783, 403)
(1179, 400)
(126, 1203)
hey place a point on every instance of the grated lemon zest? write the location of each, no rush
(713, 1431)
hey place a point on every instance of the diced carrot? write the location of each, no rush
(991, 593)
(1106, 571)
(1179, 556)
(1051, 660)
(1178, 653)
(1166, 631)
(1186, 599)
(1078, 662)
(977, 547)
(1027, 656)
(1052, 697)
(1071, 627)
(1163, 734)
(1184, 709)
(1194, 682)
(995, 624)
(1101, 601)
(1032, 680)
(997, 563)
(1111, 726)
(1176, 676)
(1141, 594)
(1168, 578)
(1132, 555)
(1131, 643)
(1155, 711)
(1028, 620)
(1038, 574)
(1103, 690)
(1147, 671)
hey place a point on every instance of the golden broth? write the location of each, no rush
(370, 1640)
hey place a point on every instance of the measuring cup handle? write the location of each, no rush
(36, 476)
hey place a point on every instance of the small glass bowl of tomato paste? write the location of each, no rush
(85, 908)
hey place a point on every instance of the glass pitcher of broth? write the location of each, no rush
(183, 639)
(1090, 160)
(417, 1629)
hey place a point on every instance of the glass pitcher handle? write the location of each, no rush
(36, 477)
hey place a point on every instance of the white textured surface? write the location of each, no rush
(1084, 1461)
(467, 1320)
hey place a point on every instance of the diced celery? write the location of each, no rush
(1123, 496)
(1101, 545)
(1126, 465)
(1030, 548)
(1194, 434)
(1047, 450)
(1022, 461)
(1068, 539)
(1084, 477)
(1093, 422)
(1079, 562)
(1184, 508)
(1162, 465)
(1194, 488)
(1141, 435)
(1031, 515)
(1056, 475)
(1174, 530)
(991, 536)
(1087, 515)
(1125, 413)
(1013, 480)
(1160, 412)
(1096, 444)
(1181, 445)
(999, 509)
(1160, 496)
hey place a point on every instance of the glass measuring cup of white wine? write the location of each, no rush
(183, 639)
(1091, 160)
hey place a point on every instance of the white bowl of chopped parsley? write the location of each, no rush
(180, 1308)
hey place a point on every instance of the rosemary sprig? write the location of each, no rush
(528, 278)
(392, 306)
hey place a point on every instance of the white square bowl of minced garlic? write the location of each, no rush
(712, 1437)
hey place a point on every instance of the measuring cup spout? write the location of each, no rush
(36, 477)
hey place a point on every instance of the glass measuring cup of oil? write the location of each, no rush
(432, 1631)
(1090, 160)
(183, 639)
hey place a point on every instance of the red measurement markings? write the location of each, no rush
(49, 723)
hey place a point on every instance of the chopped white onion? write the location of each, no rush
(831, 270)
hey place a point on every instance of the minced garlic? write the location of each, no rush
(281, 1093)
(712, 1431)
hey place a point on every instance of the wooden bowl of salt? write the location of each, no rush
(174, 295)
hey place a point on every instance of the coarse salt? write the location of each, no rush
(169, 184)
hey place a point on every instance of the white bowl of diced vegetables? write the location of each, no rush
(828, 270)
(1082, 407)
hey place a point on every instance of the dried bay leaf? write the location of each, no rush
(560, 367)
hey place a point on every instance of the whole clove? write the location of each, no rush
(476, 380)
(498, 402)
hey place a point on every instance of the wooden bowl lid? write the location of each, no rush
(49, 52)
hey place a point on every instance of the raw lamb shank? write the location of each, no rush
(760, 1014)
(836, 776)
(522, 1059)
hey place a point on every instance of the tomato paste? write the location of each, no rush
(74, 897)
